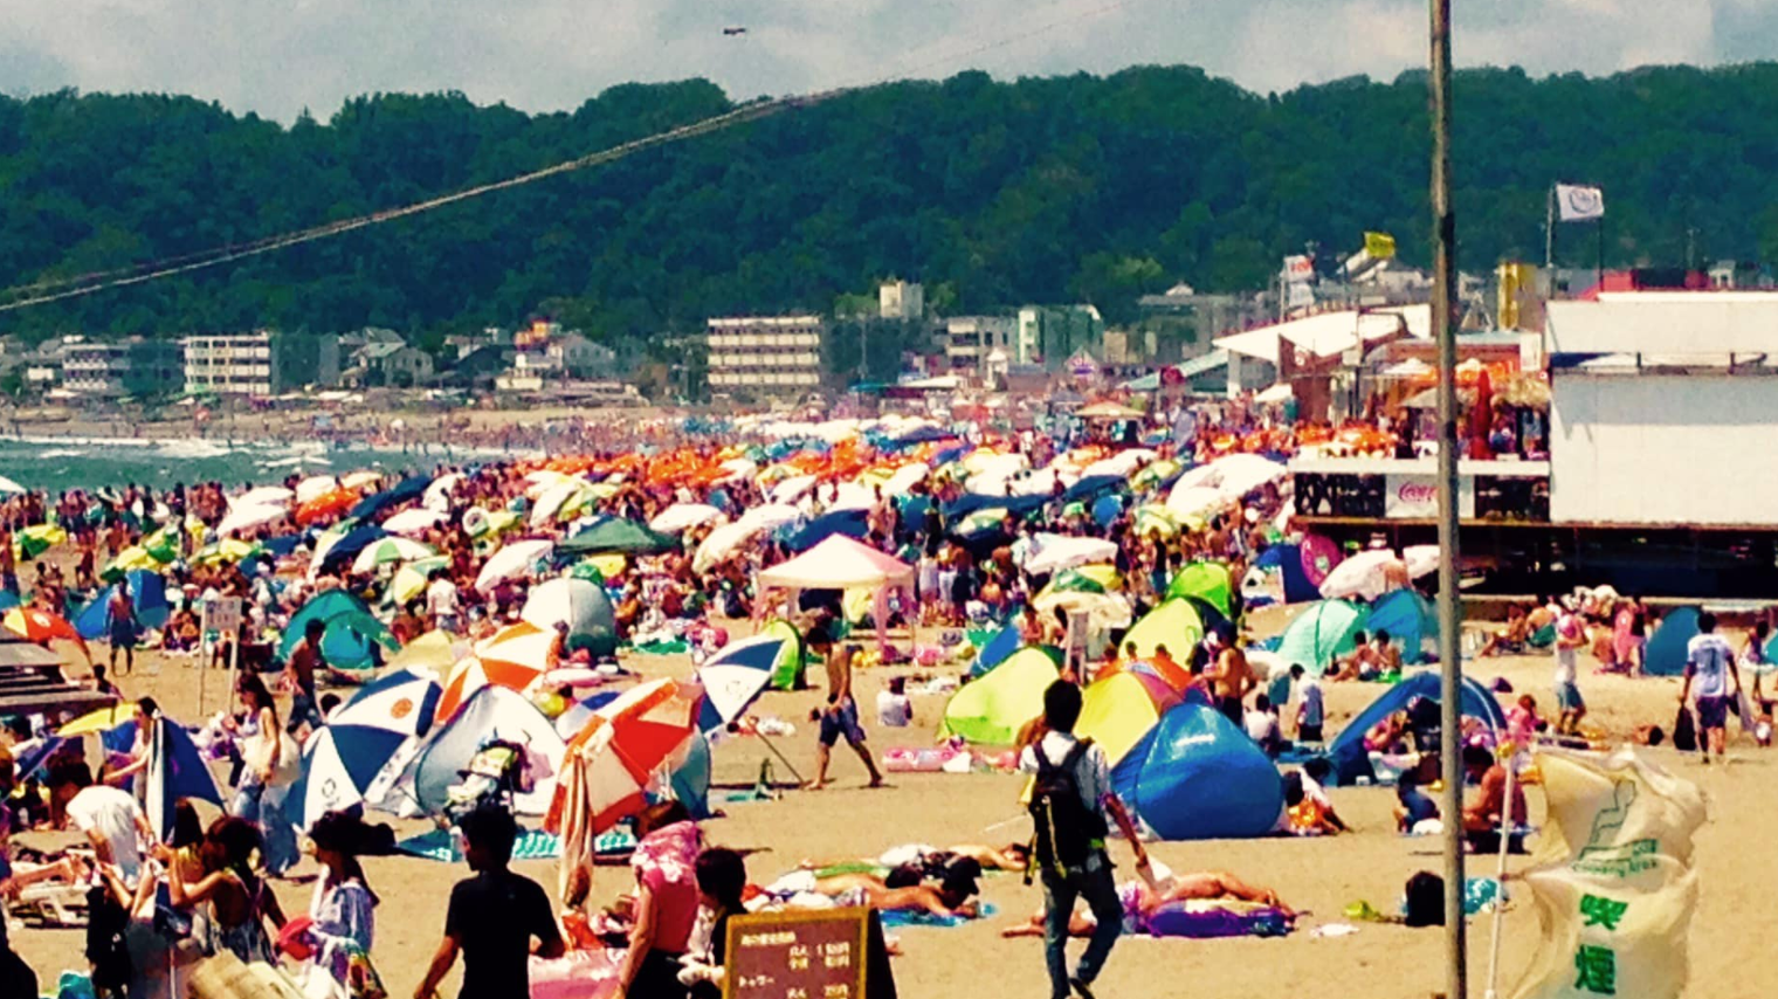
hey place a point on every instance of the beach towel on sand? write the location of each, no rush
(441, 845)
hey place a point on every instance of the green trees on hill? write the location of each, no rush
(993, 194)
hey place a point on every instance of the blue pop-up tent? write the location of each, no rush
(1409, 618)
(148, 594)
(1666, 653)
(1347, 753)
(1196, 776)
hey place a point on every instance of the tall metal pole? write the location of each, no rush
(1450, 619)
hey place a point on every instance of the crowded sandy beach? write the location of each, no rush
(650, 661)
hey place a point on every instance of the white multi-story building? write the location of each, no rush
(970, 339)
(766, 354)
(229, 365)
(260, 364)
(112, 369)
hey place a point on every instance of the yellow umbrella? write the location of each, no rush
(228, 550)
(102, 720)
(1155, 518)
(412, 579)
(130, 559)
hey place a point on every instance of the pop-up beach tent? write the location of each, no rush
(1313, 638)
(990, 711)
(1175, 624)
(1347, 753)
(1118, 710)
(1194, 775)
(1410, 619)
(1666, 651)
(351, 630)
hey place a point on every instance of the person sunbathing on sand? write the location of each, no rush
(1141, 900)
(1011, 857)
(901, 892)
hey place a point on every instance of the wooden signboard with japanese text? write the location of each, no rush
(807, 954)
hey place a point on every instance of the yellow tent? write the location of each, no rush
(1118, 710)
(1175, 624)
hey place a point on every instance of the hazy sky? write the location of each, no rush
(279, 56)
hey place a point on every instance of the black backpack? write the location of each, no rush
(1066, 827)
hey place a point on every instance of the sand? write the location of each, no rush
(1319, 875)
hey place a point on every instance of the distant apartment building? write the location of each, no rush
(971, 340)
(764, 355)
(900, 300)
(1050, 334)
(261, 364)
(118, 368)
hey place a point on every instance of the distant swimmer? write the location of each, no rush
(734, 31)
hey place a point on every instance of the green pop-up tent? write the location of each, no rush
(990, 711)
(1322, 631)
(1207, 581)
(351, 630)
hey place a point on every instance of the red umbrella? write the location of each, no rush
(41, 627)
(327, 506)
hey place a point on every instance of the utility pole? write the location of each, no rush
(1450, 616)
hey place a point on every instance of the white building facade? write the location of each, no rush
(239, 364)
(770, 355)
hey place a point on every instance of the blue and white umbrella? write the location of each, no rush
(403, 701)
(342, 761)
(175, 770)
(734, 677)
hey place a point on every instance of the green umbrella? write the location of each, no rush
(618, 536)
(1075, 581)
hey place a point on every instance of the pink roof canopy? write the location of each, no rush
(838, 563)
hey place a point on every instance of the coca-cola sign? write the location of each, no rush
(1416, 492)
(1415, 497)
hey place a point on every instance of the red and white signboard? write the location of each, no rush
(1415, 497)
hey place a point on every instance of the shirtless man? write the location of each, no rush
(840, 716)
(1231, 679)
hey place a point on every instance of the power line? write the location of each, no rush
(58, 289)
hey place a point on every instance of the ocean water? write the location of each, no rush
(60, 463)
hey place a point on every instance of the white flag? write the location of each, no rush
(1577, 203)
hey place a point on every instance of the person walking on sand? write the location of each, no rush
(1070, 799)
(120, 623)
(1709, 668)
(1570, 637)
(493, 917)
(840, 716)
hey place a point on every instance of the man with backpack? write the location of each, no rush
(1070, 800)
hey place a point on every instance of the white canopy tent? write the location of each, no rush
(841, 563)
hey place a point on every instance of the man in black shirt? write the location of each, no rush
(493, 917)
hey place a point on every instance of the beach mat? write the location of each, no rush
(440, 845)
(896, 920)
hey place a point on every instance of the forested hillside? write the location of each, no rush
(993, 194)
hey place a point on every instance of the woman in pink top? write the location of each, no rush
(666, 902)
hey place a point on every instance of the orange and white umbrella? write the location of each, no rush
(611, 762)
(512, 657)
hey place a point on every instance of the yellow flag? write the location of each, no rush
(1380, 245)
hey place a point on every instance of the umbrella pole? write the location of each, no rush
(769, 744)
